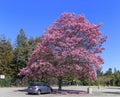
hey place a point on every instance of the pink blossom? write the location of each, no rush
(69, 46)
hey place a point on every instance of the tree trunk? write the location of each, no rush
(60, 83)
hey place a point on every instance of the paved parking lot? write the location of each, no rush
(68, 91)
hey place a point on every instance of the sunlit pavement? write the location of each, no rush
(67, 91)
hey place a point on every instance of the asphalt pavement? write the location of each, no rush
(67, 91)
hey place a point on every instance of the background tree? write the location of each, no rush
(6, 57)
(117, 78)
(21, 50)
(21, 38)
(109, 72)
(33, 42)
(110, 78)
(70, 46)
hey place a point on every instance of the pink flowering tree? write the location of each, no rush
(69, 46)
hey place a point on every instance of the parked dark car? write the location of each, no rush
(38, 88)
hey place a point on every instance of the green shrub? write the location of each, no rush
(5, 82)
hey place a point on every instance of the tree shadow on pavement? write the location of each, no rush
(115, 93)
(56, 91)
(21, 90)
(65, 92)
(118, 88)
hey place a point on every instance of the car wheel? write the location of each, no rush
(28, 93)
(50, 91)
(39, 92)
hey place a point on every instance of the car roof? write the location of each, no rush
(37, 83)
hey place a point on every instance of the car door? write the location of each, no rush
(45, 89)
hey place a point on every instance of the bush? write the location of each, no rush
(7, 82)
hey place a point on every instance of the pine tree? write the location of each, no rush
(6, 57)
(21, 51)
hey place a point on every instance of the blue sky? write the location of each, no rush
(35, 16)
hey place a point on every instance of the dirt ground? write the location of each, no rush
(67, 91)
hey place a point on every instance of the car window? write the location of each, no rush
(37, 84)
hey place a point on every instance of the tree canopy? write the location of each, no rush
(69, 46)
